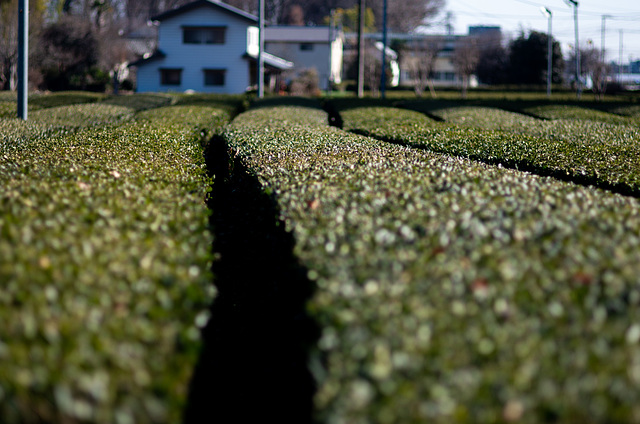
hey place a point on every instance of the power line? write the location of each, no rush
(530, 3)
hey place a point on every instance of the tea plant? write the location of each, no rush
(104, 263)
(575, 112)
(450, 290)
(584, 152)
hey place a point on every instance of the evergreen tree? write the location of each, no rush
(528, 59)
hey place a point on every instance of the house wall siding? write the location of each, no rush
(194, 58)
(317, 58)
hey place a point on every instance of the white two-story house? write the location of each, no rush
(206, 46)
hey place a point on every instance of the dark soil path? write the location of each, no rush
(254, 366)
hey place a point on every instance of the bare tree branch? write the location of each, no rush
(465, 60)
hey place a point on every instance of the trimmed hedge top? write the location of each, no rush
(448, 290)
(104, 263)
(575, 112)
(587, 152)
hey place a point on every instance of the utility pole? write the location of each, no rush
(448, 23)
(260, 48)
(23, 58)
(546, 12)
(577, 49)
(361, 49)
(383, 75)
(620, 59)
(602, 33)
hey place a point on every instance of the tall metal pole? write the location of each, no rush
(361, 49)
(546, 12)
(260, 48)
(549, 58)
(331, 36)
(578, 70)
(383, 76)
(23, 58)
(602, 33)
(620, 68)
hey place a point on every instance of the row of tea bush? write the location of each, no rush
(450, 290)
(587, 152)
(104, 259)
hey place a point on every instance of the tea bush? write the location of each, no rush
(141, 101)
(627, 110)
(8, 110)
(104, 262)
(586, 152)
(82, 115)
(62, 98)
(569, 130)
(450, 290)
(575, 112)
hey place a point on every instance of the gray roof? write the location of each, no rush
(273, 61)
(299, 34)
(141, 47)
(155, 56)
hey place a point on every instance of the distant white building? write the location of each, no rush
(206, 46)
(309, 47)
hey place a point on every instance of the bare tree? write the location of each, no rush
(8, 43)
(9, 37)
(593, 66)
(115, 56)
(306, 83)
(276, 11)
(406, 15)
(420, 60)
(465, 60)
(250, 6)
(599, 74)
(295, 15)
(372, 69)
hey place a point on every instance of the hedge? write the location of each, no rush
(596, 153)
(141, 101)
(559, 111)
(571, 130)
(104, 263)
(82, 115)
(627, 110)
(531, 115)
(450, 290)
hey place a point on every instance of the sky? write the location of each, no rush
(513, 16)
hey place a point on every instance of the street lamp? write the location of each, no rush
(547, 13)
(362, 5)
(574, 3)
(260, 48)
(602, 33)
(383, 75)
(23, 58)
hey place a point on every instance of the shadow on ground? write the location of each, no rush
(254, 365)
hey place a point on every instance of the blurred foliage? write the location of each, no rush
(451, 286)
(450, 290)
(584, 151)
(104, 260)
